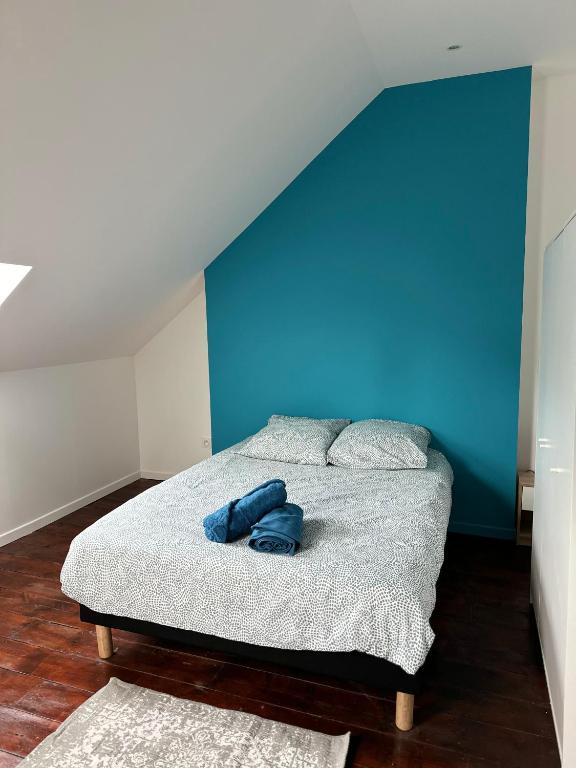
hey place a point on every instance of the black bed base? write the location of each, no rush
(355, 666)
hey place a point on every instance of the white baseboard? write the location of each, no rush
(66, 509)
(148, 474)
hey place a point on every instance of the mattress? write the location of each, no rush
(363, 580)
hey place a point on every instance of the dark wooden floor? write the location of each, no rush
(486, 703)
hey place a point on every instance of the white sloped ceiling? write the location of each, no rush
(138, 138)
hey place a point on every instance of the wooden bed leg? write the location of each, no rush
(104, 639)
(404, 711)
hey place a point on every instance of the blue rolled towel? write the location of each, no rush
(278, 532)
(236, 518)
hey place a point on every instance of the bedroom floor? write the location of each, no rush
(486, 703)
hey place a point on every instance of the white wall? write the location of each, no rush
(68, 435)
(551, 200)
(72, 433)
(172, 392)
(532, 282)
(558, 154)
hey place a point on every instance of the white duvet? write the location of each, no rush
(364, 579)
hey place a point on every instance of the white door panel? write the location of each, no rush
(554, 542)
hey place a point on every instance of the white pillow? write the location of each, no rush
(381, 444)
(294, 439)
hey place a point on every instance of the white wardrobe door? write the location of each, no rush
(569, 746)
(555, 460)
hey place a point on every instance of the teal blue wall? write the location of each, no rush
(386, 281)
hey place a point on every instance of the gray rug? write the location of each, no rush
(125, 726)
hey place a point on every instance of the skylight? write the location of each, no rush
(10, 276)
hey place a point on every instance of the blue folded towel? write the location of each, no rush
(236, 518)
(278, 532)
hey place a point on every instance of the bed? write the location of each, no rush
(354, 602)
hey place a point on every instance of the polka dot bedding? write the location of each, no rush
(364, 579)
(294, 439)
(381, 444)
(336, 424)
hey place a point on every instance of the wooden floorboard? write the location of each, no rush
(485, 703)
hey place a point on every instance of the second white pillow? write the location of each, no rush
(381, 444)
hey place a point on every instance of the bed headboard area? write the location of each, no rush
(386, 281)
